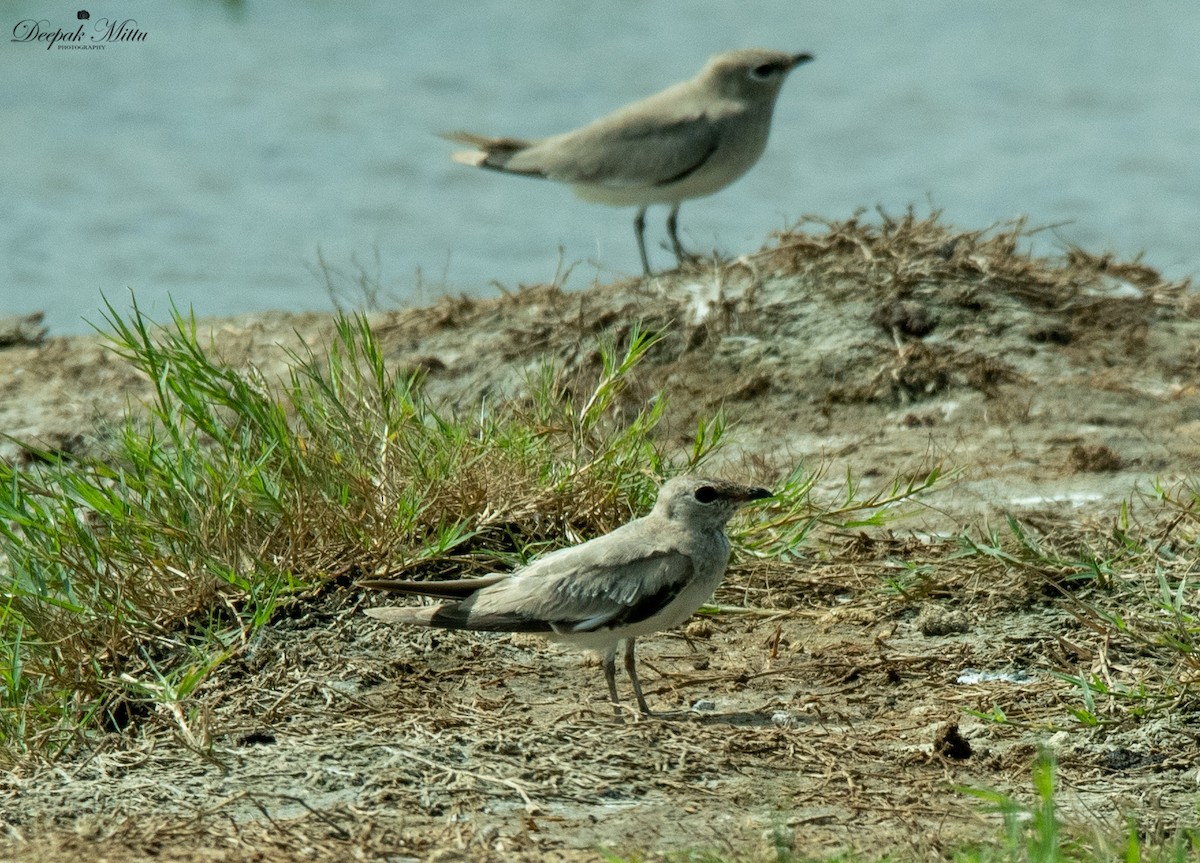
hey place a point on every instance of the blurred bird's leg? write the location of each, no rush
(639, 228)
(673, 232)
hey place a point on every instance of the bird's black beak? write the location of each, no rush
(753, 494)
(800, 60)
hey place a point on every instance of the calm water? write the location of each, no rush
(211, 161)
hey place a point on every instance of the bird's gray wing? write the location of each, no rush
(624, 577)
(637, 592)
(625, 151)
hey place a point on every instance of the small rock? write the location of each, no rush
(935, 620)
(1093, 458)
(705, 704)
(1058, 740)
(426, 364)
(699, 629)
(949, 743)
(1052, 334)
(779, 843)
(1121, 759)
(904, 318)
(22, 330)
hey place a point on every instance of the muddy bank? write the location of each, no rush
(1052, 383)
(843, 713)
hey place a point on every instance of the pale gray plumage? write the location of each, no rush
(645, 576)
(688, 141)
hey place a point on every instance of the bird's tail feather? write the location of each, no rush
(419, 616)
(491, 152)
(458, 588)
(455, 616)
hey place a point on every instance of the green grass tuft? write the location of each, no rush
(127, 580)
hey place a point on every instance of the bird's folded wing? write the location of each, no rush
(591, 587)
(638, 152)
(654, 596)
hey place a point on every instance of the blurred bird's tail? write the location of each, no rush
(493, 153)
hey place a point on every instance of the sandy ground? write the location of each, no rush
(840, 715)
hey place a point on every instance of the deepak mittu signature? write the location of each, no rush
(101, 31)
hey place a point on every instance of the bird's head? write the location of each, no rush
(704, 502)
(752, 73)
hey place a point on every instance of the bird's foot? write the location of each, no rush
(685, 261)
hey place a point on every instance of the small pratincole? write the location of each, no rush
(648, 575)
(688, 141)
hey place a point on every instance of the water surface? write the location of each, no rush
(214, 160)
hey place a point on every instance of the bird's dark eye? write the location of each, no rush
(762, 72)
(706, 494)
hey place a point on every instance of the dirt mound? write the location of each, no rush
(880, 348)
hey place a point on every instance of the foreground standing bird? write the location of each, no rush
(688, 141)
(645, 576)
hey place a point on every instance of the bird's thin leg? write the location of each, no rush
(673, 233)
(610, 677)
(639, 228)
(631, 670)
